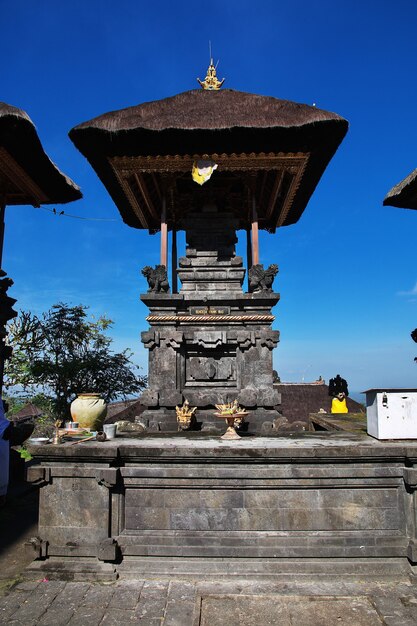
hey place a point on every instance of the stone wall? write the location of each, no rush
(265, 506)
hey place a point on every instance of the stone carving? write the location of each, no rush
(251, 338)
(6, 313)
(157, 278)
(207, 368)
(152, 338)
(261, 279)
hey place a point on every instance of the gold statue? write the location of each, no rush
(211, 81)
(184, 415)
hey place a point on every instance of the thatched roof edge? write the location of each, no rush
(404, 194)
(178, 112)
(19, 137)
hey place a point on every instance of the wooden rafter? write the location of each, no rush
(24, 189)
(145, 193)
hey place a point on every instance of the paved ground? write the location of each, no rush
(181, 603)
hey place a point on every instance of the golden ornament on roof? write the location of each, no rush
(211, 81)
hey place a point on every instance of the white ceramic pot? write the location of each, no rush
(89, 410)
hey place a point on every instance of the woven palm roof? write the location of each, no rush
(202, 123)
(404, 194)
(27, 175)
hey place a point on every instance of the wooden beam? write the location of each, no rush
(2, 227)
(145, 194)
(255, 232)
(164, 233)
(279, 177)
(248, 253)
(174, 279)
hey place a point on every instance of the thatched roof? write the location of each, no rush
(26, 412)
(27, 175)
(221, 123)
(404, 195)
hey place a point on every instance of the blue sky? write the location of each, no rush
(348, 272)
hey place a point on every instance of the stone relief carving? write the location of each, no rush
(251, 338)
(157, 278)
(261, 279)
(170, 339)
(208, 368)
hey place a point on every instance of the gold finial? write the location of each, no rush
(211, 81)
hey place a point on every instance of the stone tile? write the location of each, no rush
(180, 612)
(37, 602)
(181, 590)
(157, 587)
(98, 595)
(56, 616)
(27, 585)
(87, 616)
(152, 600)
(228, 610)
(336, 611)
(393, 610)
(10, 604)
(126, 596)
(72, 594)
(150, 608)
(119, 617)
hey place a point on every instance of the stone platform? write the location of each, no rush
(269, 508)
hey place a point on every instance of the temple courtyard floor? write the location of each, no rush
(200, 603)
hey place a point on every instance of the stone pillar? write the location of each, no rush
(210, 343)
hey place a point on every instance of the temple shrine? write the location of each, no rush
(211, 162)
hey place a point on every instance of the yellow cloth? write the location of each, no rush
(339, 406)
(202, 171)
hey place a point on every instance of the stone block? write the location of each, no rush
(150, 397)
(248, 397)
(266, 428)
(107, 550)
(268, 397)
(170, 397)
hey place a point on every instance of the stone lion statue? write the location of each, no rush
(157, 278)
(261, 279)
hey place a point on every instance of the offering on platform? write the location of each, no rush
(234, 416)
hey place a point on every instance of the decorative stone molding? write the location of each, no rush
(213, 319)
(410, 477)
(40, 475)
(412, 552)
(251, 338)
(36, 548)
(107, 550)
(107, 476)
(210, 339)
(171, 339)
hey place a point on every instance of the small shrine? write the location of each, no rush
(211, 162)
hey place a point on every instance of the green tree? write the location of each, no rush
(63, 353)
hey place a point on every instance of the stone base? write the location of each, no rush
(71, 570)
(258, 421)
(271, 570)
(195, 505)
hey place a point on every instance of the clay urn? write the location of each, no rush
(89, 410)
